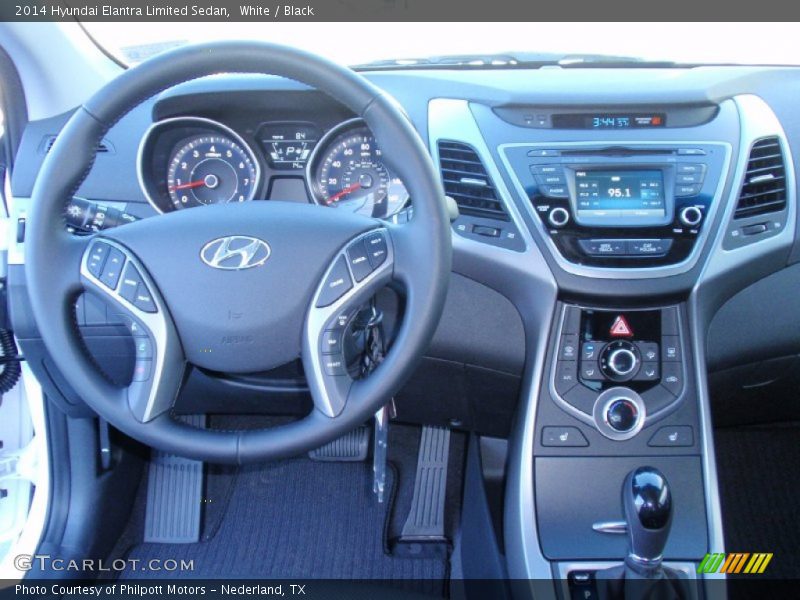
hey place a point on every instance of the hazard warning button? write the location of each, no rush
(621, 327)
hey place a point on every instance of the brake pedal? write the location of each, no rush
(351, 447)
(423, 532)
(174, 495)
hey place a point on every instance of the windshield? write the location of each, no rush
(363, 43)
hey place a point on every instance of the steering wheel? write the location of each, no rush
(237, 288)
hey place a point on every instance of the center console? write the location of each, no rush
(619, 397)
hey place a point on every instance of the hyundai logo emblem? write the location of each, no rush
(235, 252)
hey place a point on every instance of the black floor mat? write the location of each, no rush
(759, 477)
(296, 519)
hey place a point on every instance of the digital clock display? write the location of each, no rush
(615, 194)
(608, 121)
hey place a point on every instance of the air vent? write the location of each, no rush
(102, 147)
(764, 187)
(467, 182)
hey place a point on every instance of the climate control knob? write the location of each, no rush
(558, 217)
(691, 216)
(620, 360)
(619, 413)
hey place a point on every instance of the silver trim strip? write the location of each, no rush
(757, 121)
(620, 273)
(615, 527)
(319, 317)
(168, 362)
(207, 123)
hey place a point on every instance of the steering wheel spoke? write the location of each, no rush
(357, 272)
(113, 272)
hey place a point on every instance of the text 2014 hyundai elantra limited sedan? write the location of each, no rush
(502, 325)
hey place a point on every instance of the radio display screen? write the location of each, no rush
(630, 195)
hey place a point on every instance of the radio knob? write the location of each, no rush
(558, 217)
(691, 216)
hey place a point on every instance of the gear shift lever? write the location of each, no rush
(647, 503)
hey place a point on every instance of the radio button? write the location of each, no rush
(648, 247)
(554, 191)
(689, 178)
(547, 170)
(691, 152)
(544, 153)
(685, 190)
(690, 168)
(603, 247)
(555, 179)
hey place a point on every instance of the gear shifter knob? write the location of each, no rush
(647, 502)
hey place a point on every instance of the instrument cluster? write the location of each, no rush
(187, 162)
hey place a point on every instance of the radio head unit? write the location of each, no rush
(620, 205)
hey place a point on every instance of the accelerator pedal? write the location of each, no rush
(351, 447)
(174, 495)
(423, 533)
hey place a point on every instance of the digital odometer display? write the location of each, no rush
(608, 121)
(620, 194)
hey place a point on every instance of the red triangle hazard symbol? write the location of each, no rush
(621, 328)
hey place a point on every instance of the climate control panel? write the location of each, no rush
(618, 370)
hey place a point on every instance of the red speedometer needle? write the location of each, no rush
(191, 184)
(344, 192)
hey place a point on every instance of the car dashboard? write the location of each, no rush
(615, 227)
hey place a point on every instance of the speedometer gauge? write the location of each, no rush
(347, 172)
(210, 169)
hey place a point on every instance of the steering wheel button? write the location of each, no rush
(97, 258)
(336, 284)
(144, 347)
(144, 299)
(377, 249)
(142, 370)
(112, 269)
(334, 365)
(359, 261)
(331, 342)
(130, 282)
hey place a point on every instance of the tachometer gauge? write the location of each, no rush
(347, 172)
(210, 169)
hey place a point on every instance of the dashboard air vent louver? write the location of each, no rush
(102, 147)
(466, 181)
(764, 187)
